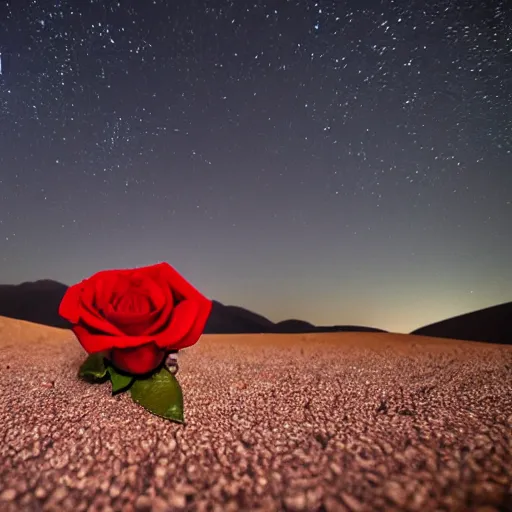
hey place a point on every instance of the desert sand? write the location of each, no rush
(315, 422)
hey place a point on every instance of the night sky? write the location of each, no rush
(341, 162)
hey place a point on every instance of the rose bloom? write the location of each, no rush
(136, 316)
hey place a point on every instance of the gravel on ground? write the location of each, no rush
(316, 422)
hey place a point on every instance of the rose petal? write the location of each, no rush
(69, 307)
(148, 287)
(102, 289)
(164, 314)
(133, 303)
(158, 296)
(89, 314)
(137, 360)
(99, 342)
(186, 325)
(93, 320)
(145, 324)
(130, 323)
(74, 310)
(119, 291)
(180, 287)
(205, 307)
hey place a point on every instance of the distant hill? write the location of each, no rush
(493, 325)
(36, 302)
(39, 301)
(235, 320)
(293, 325)
(300, 326)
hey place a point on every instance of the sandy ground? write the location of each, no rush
(320, 422)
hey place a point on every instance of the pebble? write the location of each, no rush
(143, 504)
(178, 500)
(296, 502)
(40, 492)
(395, 493)
(353, 503)
(8, 495)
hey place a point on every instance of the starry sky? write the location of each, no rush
(338, 162)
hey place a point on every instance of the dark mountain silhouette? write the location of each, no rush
(493, 325)
(235, 320)
(347, 328)
(300, 326)
(39, 301)
(293, 325)
(36, 302)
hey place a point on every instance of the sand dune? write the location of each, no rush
(307, 422)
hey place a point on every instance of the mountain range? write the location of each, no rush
(38, 302)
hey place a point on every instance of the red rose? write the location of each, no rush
(136, 316)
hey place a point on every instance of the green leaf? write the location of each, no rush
(160, 393)
(93, 367)
(120, 381)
